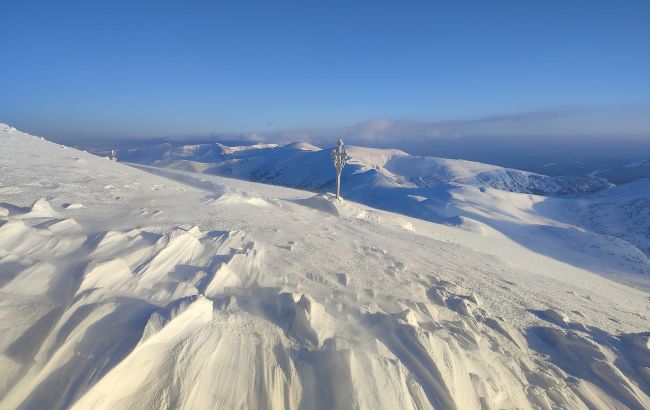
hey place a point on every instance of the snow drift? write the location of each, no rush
(204, 292)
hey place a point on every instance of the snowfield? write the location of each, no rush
(124, 288)
(305, 166)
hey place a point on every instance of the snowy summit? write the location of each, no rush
(122, 288)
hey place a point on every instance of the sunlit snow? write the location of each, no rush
(434, 284)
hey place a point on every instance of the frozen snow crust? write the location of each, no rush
(120, 289)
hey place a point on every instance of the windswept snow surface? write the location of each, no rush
(583, 221)
(185, 290)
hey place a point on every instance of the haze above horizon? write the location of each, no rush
(303, 69)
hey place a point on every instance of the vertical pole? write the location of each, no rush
(338, 184)
(339, 150)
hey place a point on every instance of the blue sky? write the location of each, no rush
(157, 68)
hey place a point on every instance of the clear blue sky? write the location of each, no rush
(148, 68)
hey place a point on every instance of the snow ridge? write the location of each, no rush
(212, 292)
(305, 166)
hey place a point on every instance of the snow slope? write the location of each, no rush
(305, 166)
(446, 191)
(124, 289)
(623, 211)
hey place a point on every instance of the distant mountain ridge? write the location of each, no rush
(305, 166)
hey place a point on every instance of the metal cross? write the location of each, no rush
(339, 155)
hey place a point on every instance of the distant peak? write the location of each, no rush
(248, 147)
(303, 146)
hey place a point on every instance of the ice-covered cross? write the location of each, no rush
(339, 155)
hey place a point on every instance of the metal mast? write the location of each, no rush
(339, 156)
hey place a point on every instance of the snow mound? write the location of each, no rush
(324, 203)
(41, 208)
(234, 199)
(308, 319)
(111, 274)
(178, 246)
(34, 241)
(580, 356)
(241, 268)
(155, 355)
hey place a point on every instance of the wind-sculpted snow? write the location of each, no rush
(217, 293)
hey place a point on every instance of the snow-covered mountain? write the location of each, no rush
(622, 211)
(168, 289)
(304, 166)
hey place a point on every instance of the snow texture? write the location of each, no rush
(123, 289)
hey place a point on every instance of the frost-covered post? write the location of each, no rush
(339, 155)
